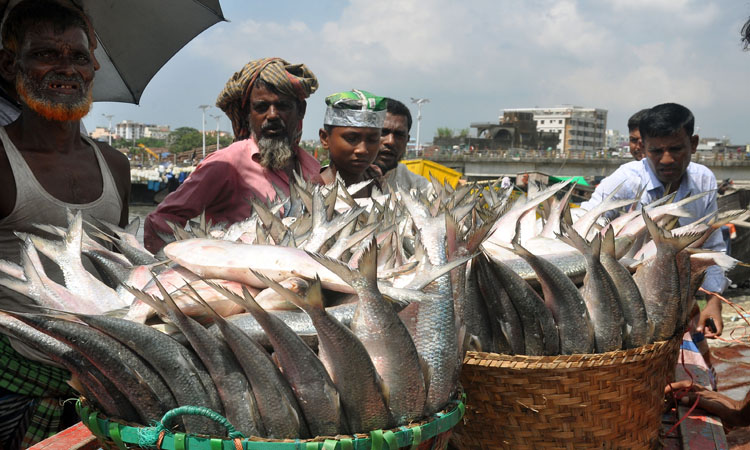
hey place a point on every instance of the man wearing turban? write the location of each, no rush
(265, 102)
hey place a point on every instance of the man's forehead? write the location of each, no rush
(395, 120)
(678, 137)
(262, 93)
(47, 33)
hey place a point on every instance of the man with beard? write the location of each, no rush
(393, 139)
(265, 102)
(46, 168)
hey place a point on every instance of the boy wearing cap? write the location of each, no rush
(351, 134)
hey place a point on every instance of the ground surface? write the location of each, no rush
(731, 358)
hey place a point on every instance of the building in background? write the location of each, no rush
(127, 129)
(156, 131)
(579, 129)
(615, 140)
(100, 134)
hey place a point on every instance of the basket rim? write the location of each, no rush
(575, 361)
(113, 430)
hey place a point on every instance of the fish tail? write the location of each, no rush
(342, 270)
(662, 236)
(314, 296)
(608, 243)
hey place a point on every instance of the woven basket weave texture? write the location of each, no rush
(607, 400)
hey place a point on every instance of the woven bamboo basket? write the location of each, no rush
(432, 434)
(607, 400)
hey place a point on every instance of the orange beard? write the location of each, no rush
(60, 112)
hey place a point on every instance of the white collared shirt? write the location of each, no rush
(698, 178)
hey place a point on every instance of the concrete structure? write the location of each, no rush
(736, 167)
(156, 131)
(516, 129)
(100, 134)
(127, 129)
(579, 129)
(614, 139)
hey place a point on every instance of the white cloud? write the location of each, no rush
(681, 12)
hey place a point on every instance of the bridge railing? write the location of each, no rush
(713, 159)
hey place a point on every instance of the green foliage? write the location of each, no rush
(444, 132)
(463, 133)
(151, 142)
(185, 138)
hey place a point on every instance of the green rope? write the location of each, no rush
(148, 436)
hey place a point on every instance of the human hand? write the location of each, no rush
(728, 410)
(712, 310)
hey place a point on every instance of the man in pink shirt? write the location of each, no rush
(266, 103)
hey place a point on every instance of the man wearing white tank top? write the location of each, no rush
(47, 166)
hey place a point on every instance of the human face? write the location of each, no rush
(272, 115)
(54, 72)
(636, 145)
(669, 156)
(393, 139)
(351, 149)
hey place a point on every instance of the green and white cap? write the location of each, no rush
(355, 108)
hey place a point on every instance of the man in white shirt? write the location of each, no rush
(668, 143)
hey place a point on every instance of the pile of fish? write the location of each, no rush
(322, 315)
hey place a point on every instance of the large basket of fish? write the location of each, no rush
(433, 433)
(606, 400)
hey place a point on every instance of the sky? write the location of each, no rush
(472, 59)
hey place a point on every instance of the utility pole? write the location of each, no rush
(419, 102)
(217, 117)
(204, 108)
(109, 130)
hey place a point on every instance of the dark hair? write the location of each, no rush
(30, 13)
(745, 33)
(665, 120)
(635, 120)
(397, 108)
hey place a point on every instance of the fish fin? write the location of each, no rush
(423, 278)
(339, 268)
(148, 299)
(314, 296)
(660, 235)
(385, 389)
(368, 263)
(289, 295)
(608, 243)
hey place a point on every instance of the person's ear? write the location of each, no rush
(8, 66)
(694, 140)
(323, 134)
(301, 109)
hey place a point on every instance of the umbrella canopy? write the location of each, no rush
(137, 37)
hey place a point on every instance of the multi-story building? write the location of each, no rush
(156, 131)
(580, 129)
(127, 129)
(615, 139)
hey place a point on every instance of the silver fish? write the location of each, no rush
(638, 328)
(599, 292)
(347, 361)
(317, 395)
(377, 325)
(658, 279)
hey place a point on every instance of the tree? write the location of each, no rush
(463, 133)
(445, 132)
(185, 138)
(151, 142)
